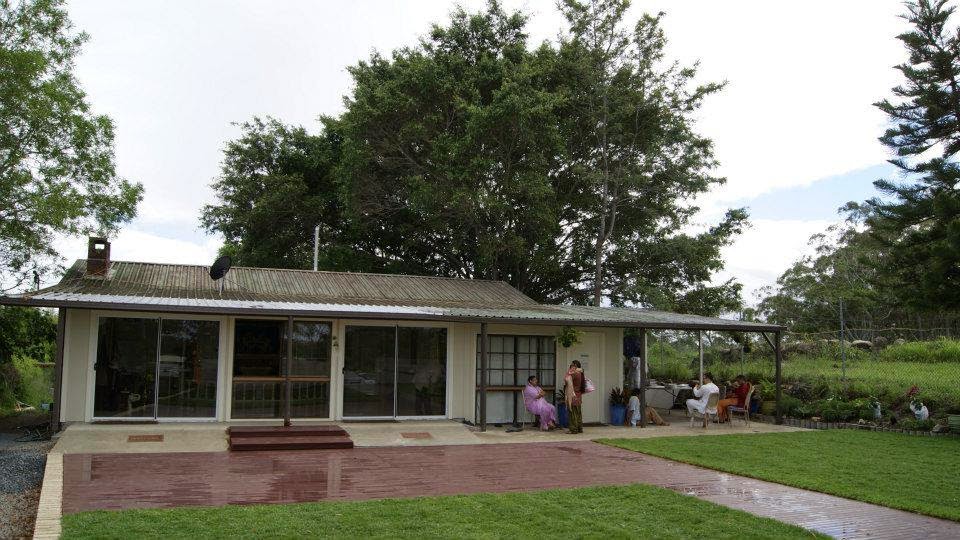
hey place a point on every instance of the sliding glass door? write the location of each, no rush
(149, 368)
(260, 369)
(394, 371)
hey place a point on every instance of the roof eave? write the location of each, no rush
(730, 326)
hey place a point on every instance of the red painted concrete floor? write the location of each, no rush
(118, 481)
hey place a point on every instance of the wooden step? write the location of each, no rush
(288, 431)
(325, 442)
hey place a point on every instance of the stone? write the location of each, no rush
(880, 342)
(862, 344)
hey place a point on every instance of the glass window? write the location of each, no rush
(421, 371)
(125, 368)
(189, 356)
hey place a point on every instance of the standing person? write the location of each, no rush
(574, 386)
(702, 392)
(738, 397)
(535, 401)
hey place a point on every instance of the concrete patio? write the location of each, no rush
(211, 437)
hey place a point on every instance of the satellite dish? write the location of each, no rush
(220, 267)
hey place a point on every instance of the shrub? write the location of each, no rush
(22, 379)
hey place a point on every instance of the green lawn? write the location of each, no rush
(918, 474)
(604, 512)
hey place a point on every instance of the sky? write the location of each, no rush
(794, 131)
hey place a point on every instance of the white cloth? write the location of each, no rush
(703, 394)
(634, 409)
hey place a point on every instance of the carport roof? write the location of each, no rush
(136, 286)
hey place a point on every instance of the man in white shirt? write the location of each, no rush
(702, 393)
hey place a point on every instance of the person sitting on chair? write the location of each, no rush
(702, 393)
(650, 414)
(738, 397)
(537, 405)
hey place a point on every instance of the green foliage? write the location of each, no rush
(472, 155)
(27, 332)
(941, 350)
(608, 512)
(27, 336)
(569, 336)
(917, 474)
(619, 396)
(918, 221)
(57, 173)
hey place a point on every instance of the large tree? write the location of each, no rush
(635, 161)
(917, 219)
(56, 157)
(469, 155)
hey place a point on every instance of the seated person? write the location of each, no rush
(633, 411)
(702, 393)
(737, 398)
(537, 405)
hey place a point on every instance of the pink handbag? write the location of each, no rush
(588, 385)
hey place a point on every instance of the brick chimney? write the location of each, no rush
(98, 256)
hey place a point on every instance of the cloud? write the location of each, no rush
(765, 250)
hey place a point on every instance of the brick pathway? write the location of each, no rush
(115, 481)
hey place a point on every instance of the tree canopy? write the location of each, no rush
(565, 169)
(917, 219)
(56, 157)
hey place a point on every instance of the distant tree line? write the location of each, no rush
(566, 169)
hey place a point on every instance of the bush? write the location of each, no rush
(22, 379)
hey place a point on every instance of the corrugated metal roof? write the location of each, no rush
(189, 289)
(136, 279)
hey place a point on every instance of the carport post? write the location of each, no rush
(700, 348)
(483, 376)
(643, 378)
(58, 372)
(288, 391)
(778, 349)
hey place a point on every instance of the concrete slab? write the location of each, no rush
(115, 438)
(211, 437)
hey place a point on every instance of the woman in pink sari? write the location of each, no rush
(538, 405)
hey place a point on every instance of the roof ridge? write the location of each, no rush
(301, 270)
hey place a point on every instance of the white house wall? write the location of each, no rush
(80, 348)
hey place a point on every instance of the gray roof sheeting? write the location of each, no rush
(252, 291)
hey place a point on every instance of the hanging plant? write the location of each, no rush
(569, 336)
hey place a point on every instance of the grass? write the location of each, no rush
(604, 512)
(918, 474)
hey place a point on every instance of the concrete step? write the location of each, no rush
(288, 431)
(323, 442)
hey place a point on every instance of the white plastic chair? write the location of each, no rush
(711, 410)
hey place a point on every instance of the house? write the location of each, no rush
(165, 342)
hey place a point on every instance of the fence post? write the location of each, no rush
(843, 348)
(779, 359)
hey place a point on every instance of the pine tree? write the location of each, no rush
(918, 220)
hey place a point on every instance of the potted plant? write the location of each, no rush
(619, 398)
(768, 395)
(563, 416)
(569, 336)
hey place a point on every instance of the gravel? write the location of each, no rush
(21, 473)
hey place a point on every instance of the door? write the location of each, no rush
(369, 371)
(394, 371)
(150, 368)
(588, 353)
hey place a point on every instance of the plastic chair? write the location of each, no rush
(711, 409)
(745, 410)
